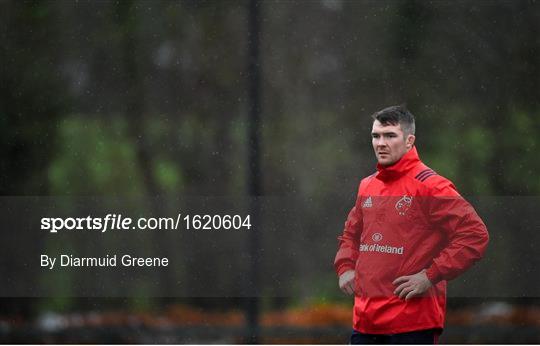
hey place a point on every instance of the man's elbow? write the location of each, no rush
(482, 240)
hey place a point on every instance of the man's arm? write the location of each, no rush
(467, 239)
(347, 253)
(349, 242)
(466, 233)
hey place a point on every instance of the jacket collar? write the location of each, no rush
(402, 166)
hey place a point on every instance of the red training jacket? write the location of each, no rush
(406, 218)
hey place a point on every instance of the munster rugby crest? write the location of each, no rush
(404, 204)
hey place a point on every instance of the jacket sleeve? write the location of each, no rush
(466, 233)
(349, 241)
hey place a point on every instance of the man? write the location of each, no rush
(409, 232)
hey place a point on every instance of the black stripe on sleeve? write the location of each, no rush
(424, 172)
(424, 177)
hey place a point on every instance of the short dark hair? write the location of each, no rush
(396, 115)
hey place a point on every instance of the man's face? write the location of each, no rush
(390, 143)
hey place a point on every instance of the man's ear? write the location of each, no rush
(410, 141)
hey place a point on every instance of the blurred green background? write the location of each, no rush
(146, 98)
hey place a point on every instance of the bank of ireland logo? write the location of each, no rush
(381, 248)
(367, 203)
(404, 204)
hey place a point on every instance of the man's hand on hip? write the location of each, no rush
(410, 286)
(346, 282)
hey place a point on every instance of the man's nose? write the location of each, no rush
(381, 142)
